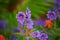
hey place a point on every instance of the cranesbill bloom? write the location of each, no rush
(37, 22)
(20, 17)
(57, 1)
(28, 15)
(57, 5)
(51, 15)
(2, 23)
(43, 36)
(35, 34)
(29, 24)
(42, 22)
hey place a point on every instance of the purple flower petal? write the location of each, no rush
(28, 15)
(37, 22)
(57, 1)
(43, 36)
(42, 22)
(35, 34)
(51, 15)
(2, 23)
(20, 17)
(29, 23)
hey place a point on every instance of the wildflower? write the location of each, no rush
(57, 1)
(48, 23)
(28, 15)
(2, 37)
(43, 36)
(35, 34)
(20, 17)
(57, 5)
(37, 22)
(29, 24)
(2, 23)
(42, 22)
(51, 15)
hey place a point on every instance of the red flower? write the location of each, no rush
(2, 37)
(48, 23)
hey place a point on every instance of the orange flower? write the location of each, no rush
(2, 37)
(27, 31)
(48, 23)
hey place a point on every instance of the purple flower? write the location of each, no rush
(51, 15)
(27, 38)
(2, 23)
(37, 22)
(29, 24)
(28, 15)
(35, 34)
(57, 1)
(21, 17)
(43, 36)
(57, 5)
(42, 22)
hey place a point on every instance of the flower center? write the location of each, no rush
(35, 34)
(21, 17)
(51, 14)
(43, 37)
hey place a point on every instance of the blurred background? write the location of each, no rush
(9, 9)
